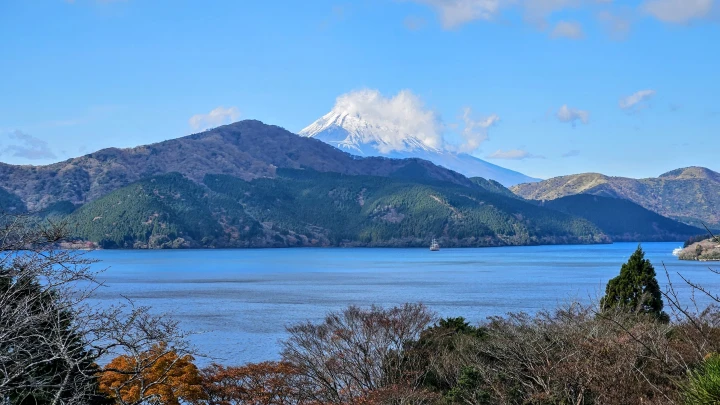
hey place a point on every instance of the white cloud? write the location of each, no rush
(28, 147)
(218, 116)
(454, 13)
(572, 115)
(394, 119)
(617, 26)
(537, 11)
(567, 29)
(571, 153)
(677, 11)
(513, 154)
(636, 99)
(475, 132)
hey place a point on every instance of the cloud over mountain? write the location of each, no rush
(28, 147)
(394, 117)
(402, 122)
(216, 117)
(366, 123)
(475, 132)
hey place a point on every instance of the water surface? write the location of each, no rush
(239, 301)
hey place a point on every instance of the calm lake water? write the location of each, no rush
(239, 301)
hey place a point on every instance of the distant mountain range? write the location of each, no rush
(351, 133)
(689, 195)
(254, 185)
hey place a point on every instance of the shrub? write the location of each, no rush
(703, 384)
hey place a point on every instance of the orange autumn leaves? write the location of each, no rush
(161, 376)
(267, 383)
(158, 375)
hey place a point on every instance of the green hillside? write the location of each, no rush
(623, 220)
(309, 208)
(167, 211)
(493, 186)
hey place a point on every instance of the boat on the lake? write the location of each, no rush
(434, 245)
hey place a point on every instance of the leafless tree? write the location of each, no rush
(357, 353)
(42, 288)
(50, 337)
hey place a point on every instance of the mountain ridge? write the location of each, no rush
(246, 149)
(690, 195)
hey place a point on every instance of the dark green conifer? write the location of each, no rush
(636, 289)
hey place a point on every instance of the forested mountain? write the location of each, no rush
(623, 220)
(246, 149)
(254, 185)
(690, 195)
(310, 208)
(11, 203)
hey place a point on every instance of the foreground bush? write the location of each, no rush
(268, 383)
(158, 375)
(357, 355)
(570, 356)
(703, 385)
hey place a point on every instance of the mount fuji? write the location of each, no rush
(348, 131)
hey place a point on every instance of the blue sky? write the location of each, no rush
(623, 88)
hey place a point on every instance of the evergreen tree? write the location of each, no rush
(66, 373)
(636, 289)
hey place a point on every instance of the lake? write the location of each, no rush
(239, 301)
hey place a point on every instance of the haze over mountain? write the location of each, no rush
(348, 128)
(690, 195)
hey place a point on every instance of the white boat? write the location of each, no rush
(676, 251)
(434, 246)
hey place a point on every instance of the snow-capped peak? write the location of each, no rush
(366, 124)
(350, 132)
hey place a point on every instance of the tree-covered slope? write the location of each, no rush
(493, 186)
(690, 195)
(167, 211)
(310, 208)
(623, 220)
(10, 203)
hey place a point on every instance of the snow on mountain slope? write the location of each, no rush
(349, 132)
